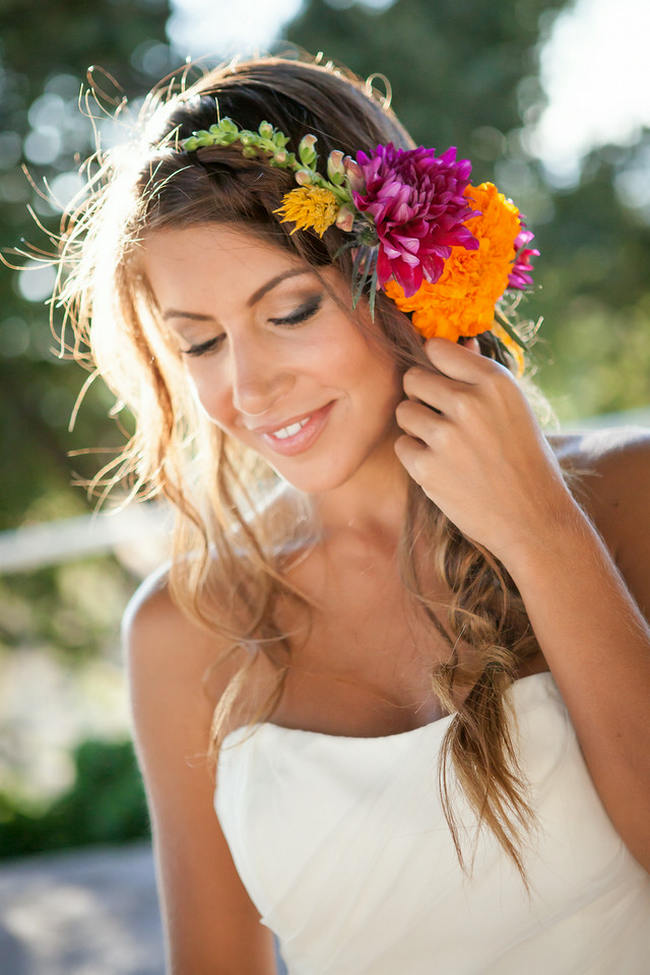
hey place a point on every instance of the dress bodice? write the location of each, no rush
(344, 849)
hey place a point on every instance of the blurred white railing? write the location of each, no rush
(139, 533)
(140, 527)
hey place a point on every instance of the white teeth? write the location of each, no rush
(291, 430)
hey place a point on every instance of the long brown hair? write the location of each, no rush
(227, 570)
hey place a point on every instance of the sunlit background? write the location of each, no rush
(548, 99)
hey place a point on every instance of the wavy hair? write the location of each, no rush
(233, 531)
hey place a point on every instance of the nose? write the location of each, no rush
(258, 379)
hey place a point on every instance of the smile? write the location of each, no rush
(298, 436)
(292, 430)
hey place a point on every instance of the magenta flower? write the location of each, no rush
(520, 275)
(418, 206)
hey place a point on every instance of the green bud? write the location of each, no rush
(248, 138)
(280, 157)
(217, 137)
(265, 130)
(280, 139)
(304, 177)
(249, 151)
(306, 150)
(227, 125)
(335, 167)
(190, 144)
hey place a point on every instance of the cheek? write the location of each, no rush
(377, 377)
(355, 358)
(210, 395)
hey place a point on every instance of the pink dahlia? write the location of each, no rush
(520, 274)
(418, 207)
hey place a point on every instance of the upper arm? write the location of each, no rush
(211, 926)
(620, 503)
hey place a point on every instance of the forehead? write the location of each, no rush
(208, 265)
(207, 258)
(210, 243)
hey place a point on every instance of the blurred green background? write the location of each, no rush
(474, 75)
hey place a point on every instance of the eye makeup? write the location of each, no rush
(305, 311)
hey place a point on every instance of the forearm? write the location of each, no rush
(597, 645)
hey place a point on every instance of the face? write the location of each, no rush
(273, 360)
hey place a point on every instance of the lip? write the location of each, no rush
(270, 427)
(305, 437)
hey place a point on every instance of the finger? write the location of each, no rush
(454, 362)
(417, 420)
(435, 389)
(410, 453)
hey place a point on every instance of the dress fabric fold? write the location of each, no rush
(345, 851)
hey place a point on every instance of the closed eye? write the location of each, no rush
(305, 311)
(300, 315)
(203, 346)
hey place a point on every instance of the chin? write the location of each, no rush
(313, 481)
(311, 484)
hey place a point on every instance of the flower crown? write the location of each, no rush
(444, 251)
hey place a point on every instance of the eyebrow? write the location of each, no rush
(254, 298)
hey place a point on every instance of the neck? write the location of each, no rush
(371, 506)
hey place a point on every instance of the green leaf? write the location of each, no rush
(373, 290)
(344, 247)
(510, 331)
(364, 252)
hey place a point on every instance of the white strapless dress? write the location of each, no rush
(343, 847)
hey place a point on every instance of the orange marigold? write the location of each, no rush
(462, 300)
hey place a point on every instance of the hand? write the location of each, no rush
(483, 459)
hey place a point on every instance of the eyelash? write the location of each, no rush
(303, 313)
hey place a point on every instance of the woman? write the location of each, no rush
(383, 565)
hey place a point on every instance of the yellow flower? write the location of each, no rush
(462, 301)
(309, 206)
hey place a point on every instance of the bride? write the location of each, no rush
(390, 693)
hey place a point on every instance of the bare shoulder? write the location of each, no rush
(618, 461)
(167, 657)
(149, 611)
(602, 441)
(616, 493)
(158, 637)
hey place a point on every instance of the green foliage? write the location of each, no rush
(106, 804)
(454, 67)
(72, 607)
(45, 53)
(594, 294)
(467, 75)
